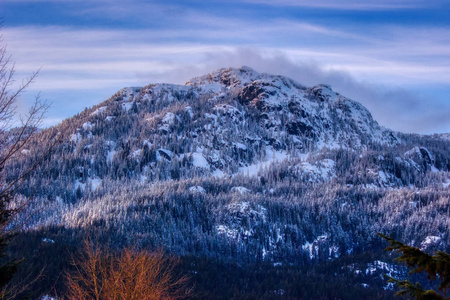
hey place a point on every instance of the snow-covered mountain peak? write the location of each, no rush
(244, 76)
(323, 92)
(229, 77)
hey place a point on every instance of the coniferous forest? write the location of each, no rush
(261, 187)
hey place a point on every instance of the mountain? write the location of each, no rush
(242, 167)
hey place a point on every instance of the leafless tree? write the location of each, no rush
(14, 141)
(128, 275)
(16, 132)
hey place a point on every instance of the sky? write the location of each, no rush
(393, 56)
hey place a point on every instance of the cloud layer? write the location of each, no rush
(399, 70)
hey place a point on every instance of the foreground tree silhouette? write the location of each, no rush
(15, 134)
(127, 275)
(436, 266)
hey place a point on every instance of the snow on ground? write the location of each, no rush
(95, 183)
(99, 110)
(110, 155)
(313, 247)
(382, 178)
(109, 118)
(446, 184)
(244, 208)
(218, 173)
(240, 146)
(142, 177)
(75, 137)
(376, 267)
(79, 185)
(197, 189)
(429, 241)
(226, 109)
(166, 91)
(199, 161)
(136, 153)
(87, 126)
(146, 142)
(212, 87)
(127, 105)
(225, 230)
(321, 170)
(188, 109)
(167, 121)
(384, 267)
(234, 233)
(272, 156)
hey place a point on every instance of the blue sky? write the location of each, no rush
(392, 56)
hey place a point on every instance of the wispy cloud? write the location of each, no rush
(348, 4)
(176, 41)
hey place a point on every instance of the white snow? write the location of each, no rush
(197, 189)
(212, 87)
(109, 118)
(272, 156)
(47, 240)
(110, 155)
(236, 77)
(127, 105)
(75, 137)
(169, 118)
(87, 126)
(446, 184)
(99, 110)
(429, 241)
(381, 266)
(167, 121)
(218, 173)
(80, 185)
(278, 264)
(199, 161)
(321, 170)
(244, 208)
(25, 151)
(389, 286)
(95, 183)
(223, 229)
(234, 233)
(313, 247)
(240, 146)
(136, 153)
(226, 109)
(188, 109)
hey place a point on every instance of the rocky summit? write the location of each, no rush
(243, 167)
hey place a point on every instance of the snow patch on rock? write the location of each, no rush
(197, 189)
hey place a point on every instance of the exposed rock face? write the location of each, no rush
(241, 160)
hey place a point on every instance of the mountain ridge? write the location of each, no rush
(258, 164)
